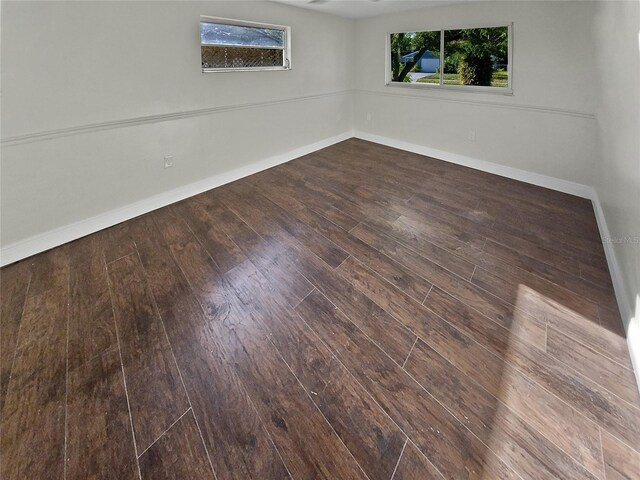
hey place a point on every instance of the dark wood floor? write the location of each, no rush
(360, 312)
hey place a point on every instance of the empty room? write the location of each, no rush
(320, 239)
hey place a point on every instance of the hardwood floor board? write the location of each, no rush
(513, 236)
(572, 388)
(584, 327)
(179, 453)
(378, 325)
(611, 321)
(49, 270)
(428, 258)
(92, 329)
(497, 281)
(607, 410)
(220, 247)
(401, 277)
(448, 445)
(119, 242)
(33, 417)
(620, 461)
(296, 189)
(413, 465)
(171, 225)
(309, 447)
(441, 229)
(235, 438)
(522, 447)
(369, 434)
(423, 174)
(610, 375)
(596, 275)
(87, 256)
(479, 363)
(156, 395)
(528, 328)
(350, 204)
(603, 296)
(271, 258)
(99, 437)
(14, 286)
(285, 224)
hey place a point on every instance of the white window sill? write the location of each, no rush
(456, 88)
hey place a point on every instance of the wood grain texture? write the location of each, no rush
(156, 394)
(14, 285)
(359, 312)
(606, 373)
(33, 416)
(621, 462)
(234, 436)
(369, 434)
(446, 442)
(413, 465)
(179, 453)
(99, 436)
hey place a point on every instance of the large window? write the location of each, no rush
(228, 45)
(466, 58)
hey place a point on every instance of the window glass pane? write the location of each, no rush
(220, 34)
(477, 56)
(415, 57)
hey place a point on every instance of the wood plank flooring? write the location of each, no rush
(357, 313)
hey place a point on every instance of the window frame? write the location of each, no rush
(286, 50)
(441, 86)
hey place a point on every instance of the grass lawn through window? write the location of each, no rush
(500, 78)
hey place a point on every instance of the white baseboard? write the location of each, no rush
(553, 183)
(59, 236)
(624, 303)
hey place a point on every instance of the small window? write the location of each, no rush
(232, 45)
(467, 58)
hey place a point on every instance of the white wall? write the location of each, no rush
(546, 127)
(94, 94)
(617, 48)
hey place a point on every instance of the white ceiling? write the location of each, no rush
(365, 8)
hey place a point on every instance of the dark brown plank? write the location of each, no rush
(280, 222)
(309, 448)
(32, 423)
(156, 394)
(519, 323)
(467, 355)
(382, 328)
(220, 247)
(14, 285)
(50, 270)
(91, 324)
(413, 465)
(179, 453)
(99, 436)
(369, 434)
(605, 372)
(584, 327)
(448, 445)
(401, 277)
(238, 444)
(270, 257)
(620, 461)
(515, 441)
(87, 256)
